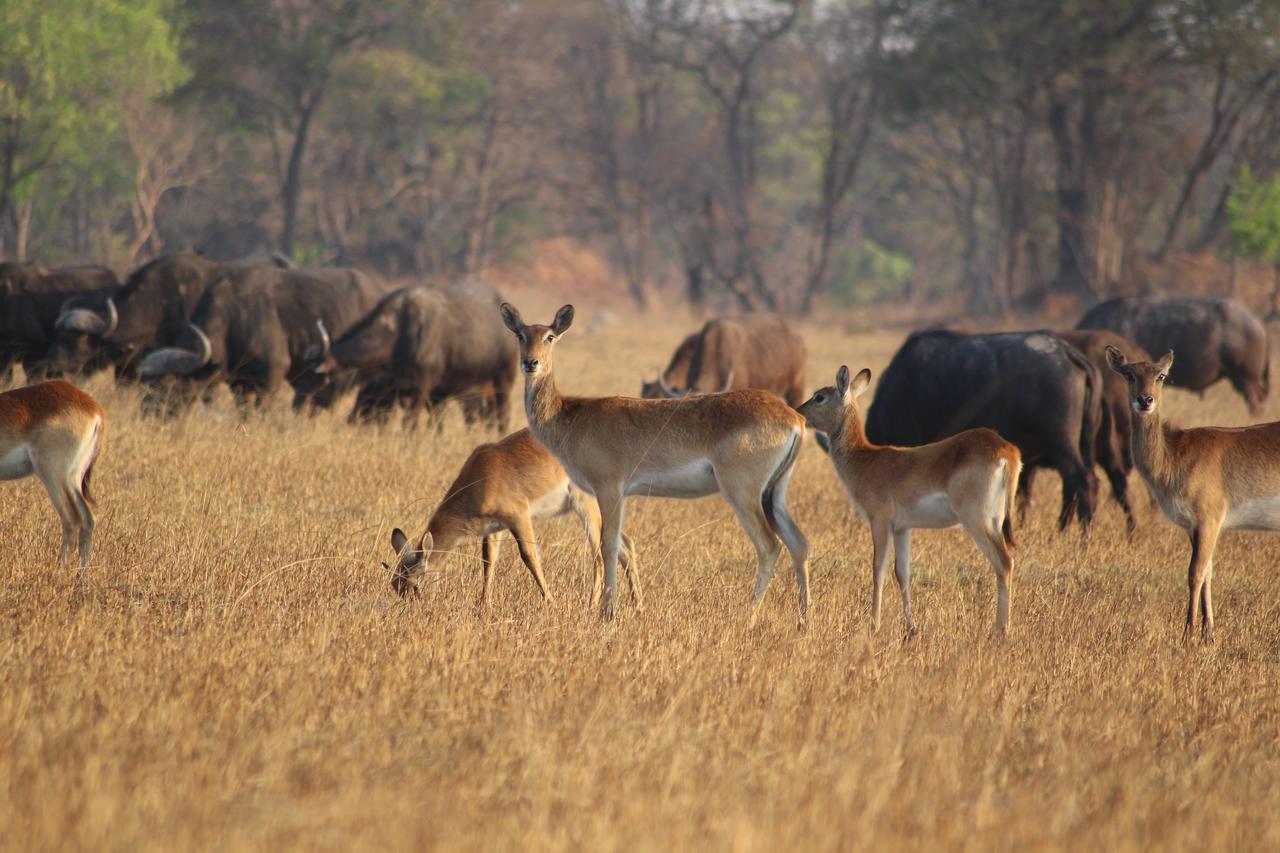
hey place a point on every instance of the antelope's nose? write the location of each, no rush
(529, 364)
(1146, 401)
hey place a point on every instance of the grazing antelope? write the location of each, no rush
(742, 444)
(54, 430)
(505, 486)
(970, 478)
(1207, 480)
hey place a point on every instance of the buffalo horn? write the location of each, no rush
(86, 320)
(177, 360)
(320, 352)
(668, 390)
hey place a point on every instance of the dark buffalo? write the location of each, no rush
(1031, 387)
(33, 299)
(253, 326)
(423, 345)
(757, 351)
(1212, 338)
(154, 307)
(1111, 445)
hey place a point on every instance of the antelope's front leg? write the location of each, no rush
(1204, 538)
(611, 512)
(879, 566)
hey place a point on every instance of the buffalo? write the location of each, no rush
(421, 346)
(1213, 339)
(756, 351)
(34, 300)
(153, 308)
(253, 326)
(1033, 388)
(1115, 426)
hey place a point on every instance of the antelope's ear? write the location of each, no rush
(563, 320)
(1165, 362)
(842, 381)
(426, 543)
(511, 317)
(861, 382)
(399, 540)
(1116, 361)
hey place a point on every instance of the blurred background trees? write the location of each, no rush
(997, 154)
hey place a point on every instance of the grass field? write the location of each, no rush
(237, 672)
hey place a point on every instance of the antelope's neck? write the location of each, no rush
(446, 529)
(542, 404)
(851, 437)
(1150, 450)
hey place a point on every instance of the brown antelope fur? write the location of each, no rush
(506, 485)
(741, 444)
(54, 430)
(970, 478)
(1206, 480)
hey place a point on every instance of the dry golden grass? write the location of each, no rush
(238, 673)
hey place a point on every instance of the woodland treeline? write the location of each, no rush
(780, 154)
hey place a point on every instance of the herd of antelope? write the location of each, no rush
(587, 455)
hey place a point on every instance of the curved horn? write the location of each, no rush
(176, 360)
(668, 390)
(321, 352)
(113, 318)
(728, 383)
(87, 321)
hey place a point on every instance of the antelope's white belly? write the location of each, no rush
(551, 504)
(16, 464)
(930, 511)
(1260, 514)
(691, 480)
(1176, 511)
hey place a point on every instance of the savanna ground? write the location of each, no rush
(237, 672)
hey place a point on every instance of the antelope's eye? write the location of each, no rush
(818, 398)
(1160, 378)
(550, 338)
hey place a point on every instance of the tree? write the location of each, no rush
(64, 65)
(1253, 210)
(270, 64)
(844, 44)
(724, 51)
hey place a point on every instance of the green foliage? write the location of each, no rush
(867, 272)
(65, 67)
(1254, 212)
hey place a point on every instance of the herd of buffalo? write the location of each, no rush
(183, 323)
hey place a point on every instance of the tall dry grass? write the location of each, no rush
(237, 672)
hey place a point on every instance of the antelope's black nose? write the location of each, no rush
(529, 364)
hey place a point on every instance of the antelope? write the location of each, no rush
(54, 430)
(1206, 480)
(741, 444)
(505, 486)
(970, 478)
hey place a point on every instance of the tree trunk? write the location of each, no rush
(477, 231)
(292, 189)
(1072, 209)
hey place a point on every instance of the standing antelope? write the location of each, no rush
(1207, 480)
(505, 486)
(970, 478)
(742, 444)
(54, 430)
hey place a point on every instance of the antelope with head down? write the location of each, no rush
(54, 431)
(1206, 480)
(506, 485)
(970, 478)
(740, 444)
